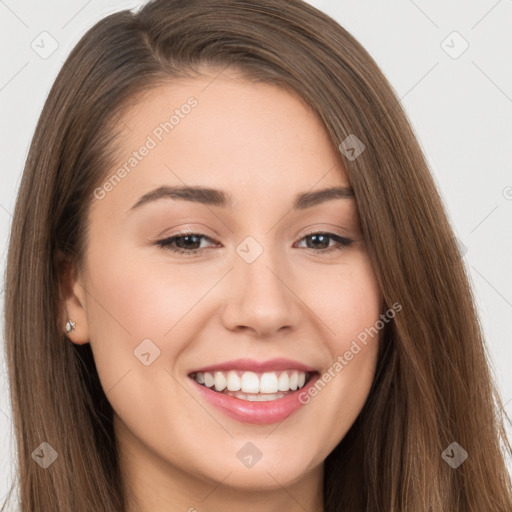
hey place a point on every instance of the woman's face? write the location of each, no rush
(262, 305)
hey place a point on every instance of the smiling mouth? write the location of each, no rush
(254, 386)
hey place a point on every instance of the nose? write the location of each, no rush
(262, 297)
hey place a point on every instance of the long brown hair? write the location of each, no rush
(433, 385)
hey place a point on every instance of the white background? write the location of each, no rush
(460, 108)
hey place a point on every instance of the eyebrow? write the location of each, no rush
(219, 198)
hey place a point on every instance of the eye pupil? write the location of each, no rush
(315, 237)
(186, 237)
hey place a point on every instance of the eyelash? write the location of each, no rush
(166, 243)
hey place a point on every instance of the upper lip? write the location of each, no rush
(256, 366)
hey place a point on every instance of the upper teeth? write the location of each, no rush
(251, 382)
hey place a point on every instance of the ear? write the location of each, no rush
(72, 301)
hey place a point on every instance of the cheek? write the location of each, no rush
(351, 310)
(139, 299)
(349, 301)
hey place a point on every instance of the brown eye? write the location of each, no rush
(186, 243)
(322, 239)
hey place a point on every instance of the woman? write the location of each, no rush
(259, 370)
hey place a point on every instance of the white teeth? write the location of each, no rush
(255, 397)
(294, 379)
(268, 383)
(247, 385)
(219, 380)
(284, 382)
(234, 383)
(264, 398)
(208, 380)
(250, 382)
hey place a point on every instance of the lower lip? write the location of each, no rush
(256, 412)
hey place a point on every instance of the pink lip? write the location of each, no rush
(256, 412)
(256, 366)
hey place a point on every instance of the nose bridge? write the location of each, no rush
(260, 276)
(263, 300)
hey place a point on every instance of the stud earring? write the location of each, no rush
(70, 325)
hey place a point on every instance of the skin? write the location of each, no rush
(263, 145)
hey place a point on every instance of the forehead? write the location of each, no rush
(224, 132)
